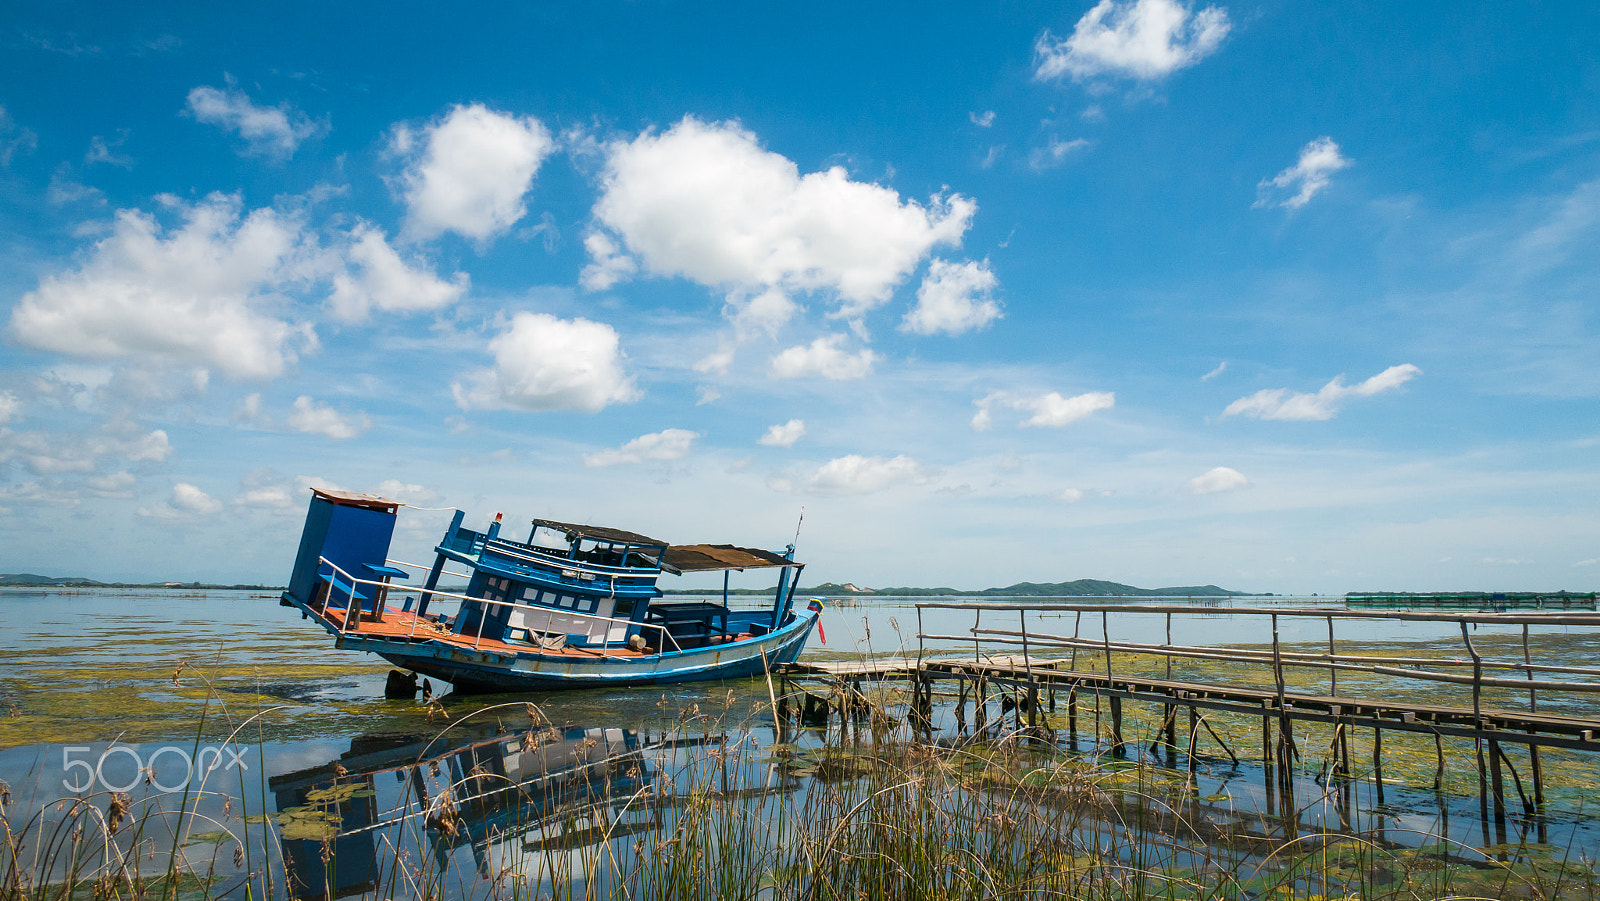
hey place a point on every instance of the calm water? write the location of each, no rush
(234, 700)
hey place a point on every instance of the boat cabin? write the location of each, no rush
(571, 585)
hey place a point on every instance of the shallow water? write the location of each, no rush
(234, 701)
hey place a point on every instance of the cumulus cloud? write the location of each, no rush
(321, 419)
(1281, 403)
(546, 363)
(982, 120)
(953, 298)
(1049, 410)
(855, 474)
(1217, 480)
(707, 202)
(1299, 183)
(383, 280)
(1143, 39)
(1054, 153)
(197, 294)
(45, 454)
(275, 131)
(186, 501)
(784, 435)
(468, 172)
(670, 444)
(826, 357)
(9, 405)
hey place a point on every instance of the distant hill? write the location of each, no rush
(34, 580)
(1080, 588)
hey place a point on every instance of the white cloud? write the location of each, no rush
(1309, 175)
(1281, 403)
(405, 493)
(1217, 480)
(320, 419)
(186, 501)
(855, 474)
(386, 281)
(9, 405)
(545, 363)
(670, 444)
(271, 497)
(468, 172)
(64, 189)
(14, 139)
(192, 295)
(1049, 410)
(826, 357)
(1054, 153)
(705, 201)
(1592, 561)
(1142, 39)
(1221, 368)
(46, 454)
(784, 435)
(248, 409)
(982, 120)
(953, 298)
(267, 130)
(104, 151)
(1069, 495)
(115, 484)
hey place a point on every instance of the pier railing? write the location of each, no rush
(1008, 630)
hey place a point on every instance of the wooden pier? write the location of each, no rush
(1499, 703)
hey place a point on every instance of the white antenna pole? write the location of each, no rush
(797, 525)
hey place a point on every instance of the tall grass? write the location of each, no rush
(727, 803)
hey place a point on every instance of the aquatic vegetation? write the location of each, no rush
(709, 809)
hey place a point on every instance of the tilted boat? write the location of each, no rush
(573, 606)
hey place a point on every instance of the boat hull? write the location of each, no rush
(479, 672)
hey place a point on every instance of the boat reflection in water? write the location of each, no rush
(540, 804)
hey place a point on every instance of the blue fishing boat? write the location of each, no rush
(574, 606)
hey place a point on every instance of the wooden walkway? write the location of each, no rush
(1099, 673)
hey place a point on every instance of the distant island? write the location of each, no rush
(1080, 588)
(34, 580)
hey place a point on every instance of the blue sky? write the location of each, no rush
(1282, 297)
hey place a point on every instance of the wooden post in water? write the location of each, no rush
(1072, 715)
(1116, 726)
(1499, 792)
(1477, 725)
(1377, 762)
(1533, 750)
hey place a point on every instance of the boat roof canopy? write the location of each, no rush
(694, 558)
(599, 533)
(353, 499)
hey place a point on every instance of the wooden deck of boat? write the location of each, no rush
(406, 626)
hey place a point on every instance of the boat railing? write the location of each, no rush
(354, 604)
(531, 554)
(443, 572)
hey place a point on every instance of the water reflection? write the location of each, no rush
(484, 804)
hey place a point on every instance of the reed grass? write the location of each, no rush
(717, 809)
